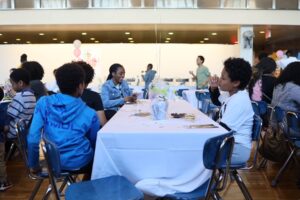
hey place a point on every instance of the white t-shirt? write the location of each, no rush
(237, 113)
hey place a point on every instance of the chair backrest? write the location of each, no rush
(168, 79)
(218, 150)
(293, 126)
(180, 91)
(52, 157)
(255, 107)
(130, 80)
(202, 95)
(205, 106)
(275, 116)
(22, 131)
(257, 126)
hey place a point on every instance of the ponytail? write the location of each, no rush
(113, 69)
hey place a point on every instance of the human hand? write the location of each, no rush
(214, 82)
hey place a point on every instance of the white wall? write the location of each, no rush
(170, 60)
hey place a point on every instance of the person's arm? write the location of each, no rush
(14, 108)
(102, 117)
(214, 95)
(34, 136)
(100, 110)
(107, 102)
(92, 133)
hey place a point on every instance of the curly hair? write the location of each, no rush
(20, 75)
(35, 70)
(290, 74)
(89, 71)
(69, 77)
(238, 70)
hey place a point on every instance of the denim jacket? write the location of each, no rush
(113, 97)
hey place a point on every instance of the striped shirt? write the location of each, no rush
(21, 107)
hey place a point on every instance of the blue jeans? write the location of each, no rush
(240, 154)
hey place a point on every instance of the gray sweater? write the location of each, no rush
(287, 97)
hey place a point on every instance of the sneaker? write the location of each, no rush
(5, 185)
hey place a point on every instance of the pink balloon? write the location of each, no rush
(279, 54)
(77, 53)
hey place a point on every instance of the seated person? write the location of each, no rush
(91, 98)
(67, 121)
(23, 104)
(36, 73)
(115, 91)
(286, 94)
(4, 183)
(236, 111)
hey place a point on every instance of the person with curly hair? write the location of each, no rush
(36, 72)
(236, 111)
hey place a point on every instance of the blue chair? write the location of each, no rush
(22, 143)
(255, 107)
(179, 92)
(109, 188)
(114, 188)
(292, 134)
(201, 96)
(217, 153)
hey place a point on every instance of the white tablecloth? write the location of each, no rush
(190, 96)
(159, 157)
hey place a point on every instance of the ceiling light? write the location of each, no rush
(54, 39)
(28, 42)
(62, 42)
(92, 38)
(18, 39)
(127, 33)
(83, 33)
(167, 41)
(5, 42)
(171, 33)
(206, 39)
(131, 41)
(202, 41)
(96, 41)
(1, 34)
(130, 38)
(261, 32)
(168, 38)
(214, 33)
(41, 34)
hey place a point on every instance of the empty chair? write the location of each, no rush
(292, 134)
(168, 80)
(216, 154)
(180, 91)
(182, 81)
(130, 80)
(109, 188)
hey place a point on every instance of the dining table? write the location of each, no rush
(158, 156)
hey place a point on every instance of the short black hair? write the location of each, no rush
(1, 93)
(238, 70)
(20, 74)
(201, 58)
(262, 55)
(35, 70)
(69, 77)
(23, 58)
(266, 65)
(291, 53)
(89, 71)
(150, 65)
(290, 74)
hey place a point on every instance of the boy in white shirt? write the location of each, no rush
(236, 111)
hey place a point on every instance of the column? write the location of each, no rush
(245, 38)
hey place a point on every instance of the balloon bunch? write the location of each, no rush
(77, 51)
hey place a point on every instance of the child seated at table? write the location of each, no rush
(236, 111)
(66, 121)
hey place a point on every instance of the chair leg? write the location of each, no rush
(216, 196)
(63, 185)
(241, 184)
(48, 192)
(36, 189)
(10, 152)
(282, 169)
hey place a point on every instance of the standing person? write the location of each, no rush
(202, 74)
(91, 98)
(66, 121)
(23, 58)
(148, 78)
(115, 91)
(36, 72)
